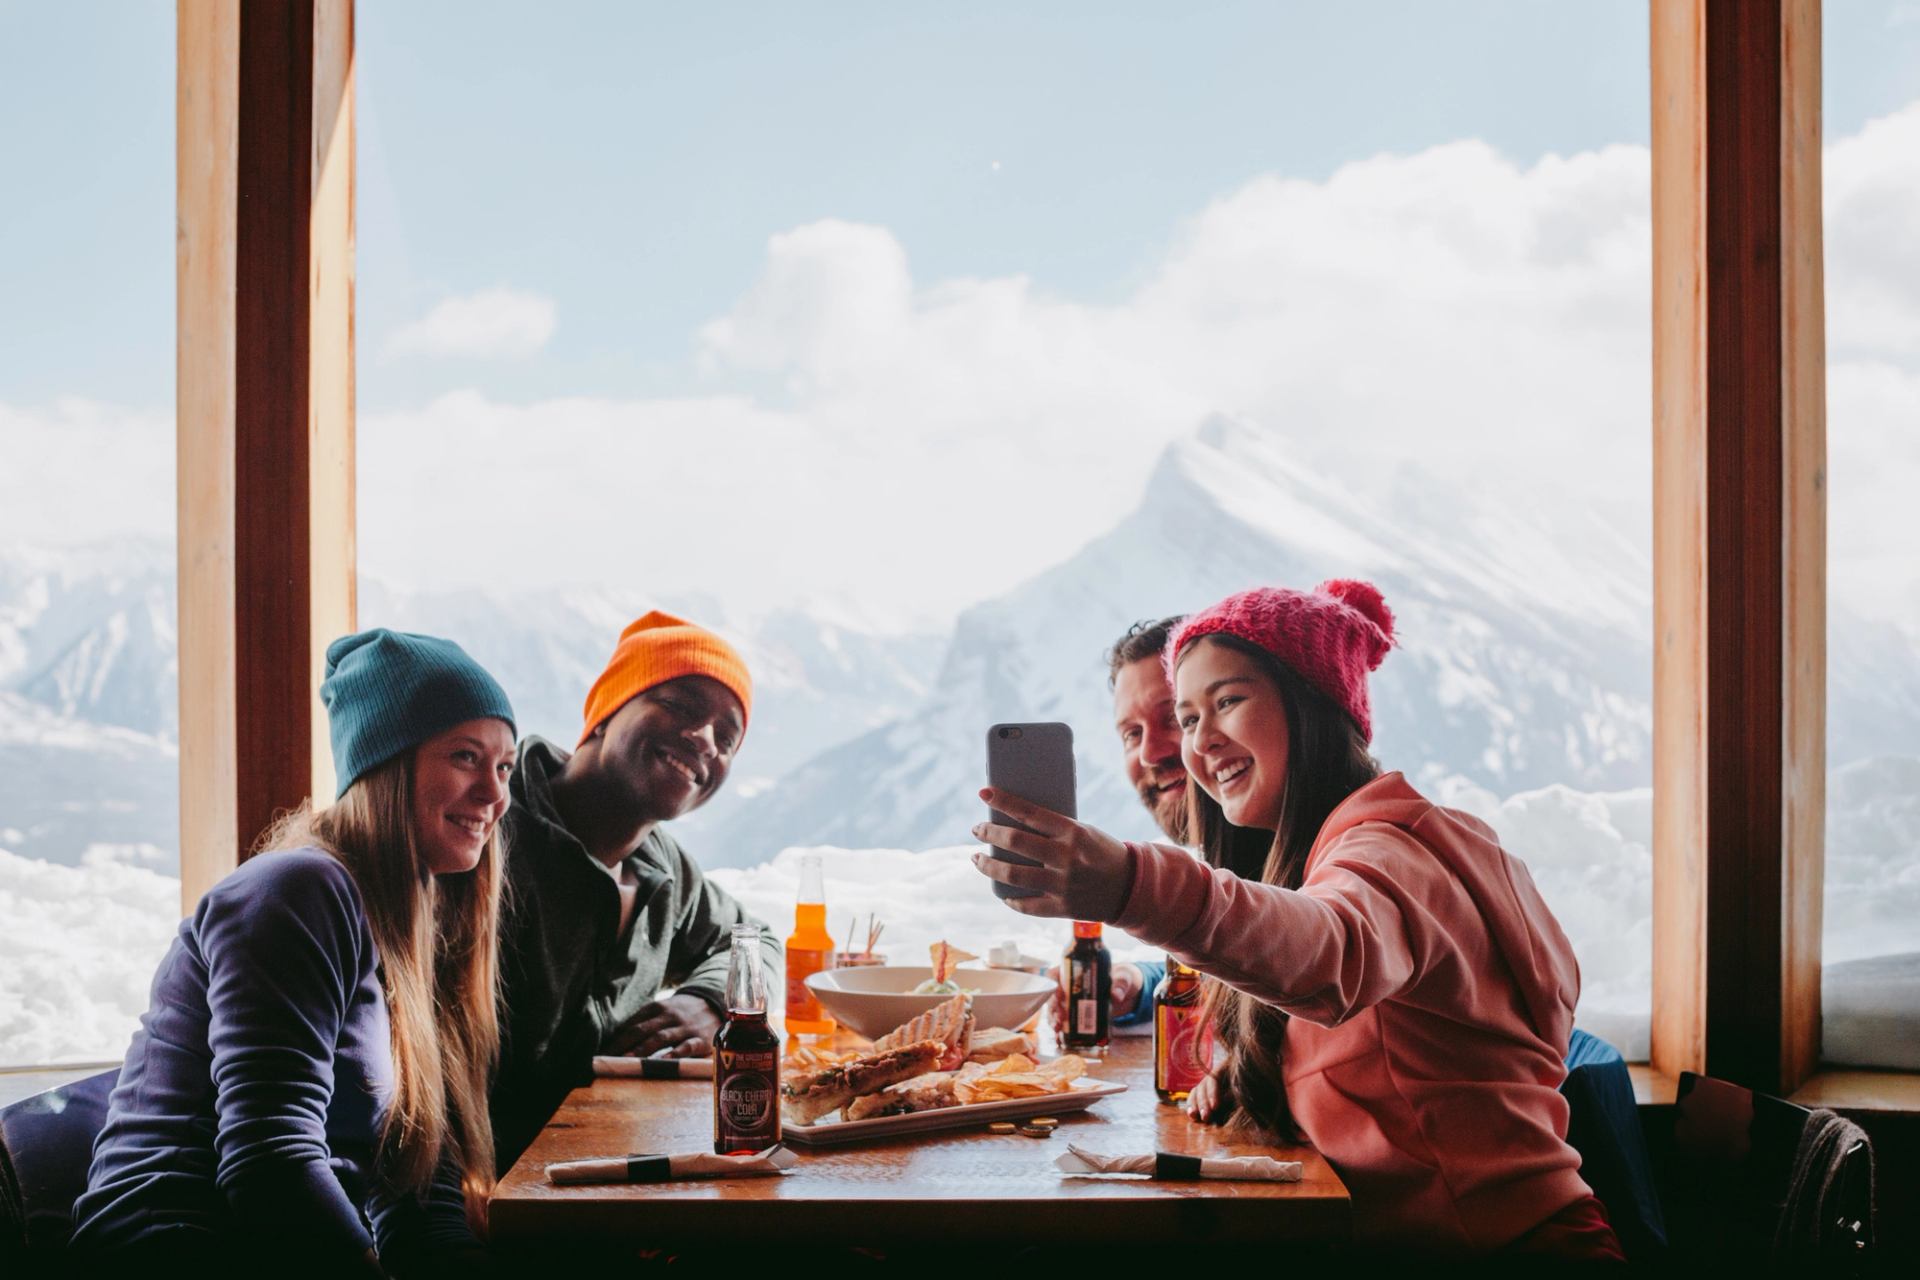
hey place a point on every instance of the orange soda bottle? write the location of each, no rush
(809, 950)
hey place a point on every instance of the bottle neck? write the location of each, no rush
(813, 885)
(746, 989)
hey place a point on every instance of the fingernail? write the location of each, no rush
(980, 829)
(986, 793)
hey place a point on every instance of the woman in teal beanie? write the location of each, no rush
(309, 1083)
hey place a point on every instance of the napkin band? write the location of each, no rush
(649, 1168)
(653, 1068)
(1175, 1168)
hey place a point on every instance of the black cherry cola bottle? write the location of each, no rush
(746, 1067)
(1088, 973)
(1182, 1036)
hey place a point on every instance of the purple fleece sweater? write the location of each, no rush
(252, 1095)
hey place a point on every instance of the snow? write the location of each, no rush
(77, 954)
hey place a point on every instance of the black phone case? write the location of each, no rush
(1034, 762)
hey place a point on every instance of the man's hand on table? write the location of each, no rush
(678, 1026)
(1122, 997)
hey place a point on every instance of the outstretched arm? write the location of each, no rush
(1362, 929)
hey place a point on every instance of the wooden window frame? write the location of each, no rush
(1739, 519)
(264, 410)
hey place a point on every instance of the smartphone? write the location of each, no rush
(1034, 762)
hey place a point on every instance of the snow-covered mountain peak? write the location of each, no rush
(1494, 681)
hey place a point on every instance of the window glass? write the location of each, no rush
(1871, 943)
(89, 864)
(921, 353)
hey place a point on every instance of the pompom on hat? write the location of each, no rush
(655, 649)
(389, 691)
(1332, 636)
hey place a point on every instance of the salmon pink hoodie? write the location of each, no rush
(1431, 994)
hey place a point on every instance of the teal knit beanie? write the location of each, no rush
(389, 691)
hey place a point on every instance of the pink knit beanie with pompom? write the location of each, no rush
(1331, 636)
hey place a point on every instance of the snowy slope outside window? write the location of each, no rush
(89, 777)
(1870, 948)
(921, 357)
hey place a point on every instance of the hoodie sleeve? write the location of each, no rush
(427, 1234)
(1361, 929)
(282, 960)
(703, 936)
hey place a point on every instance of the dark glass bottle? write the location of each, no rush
(1089, 977)
(746, 1068)
(1182, 1035)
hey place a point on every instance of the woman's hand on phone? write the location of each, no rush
(1084, 873)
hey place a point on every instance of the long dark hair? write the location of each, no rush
(1327, 761)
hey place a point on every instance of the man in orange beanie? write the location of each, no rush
(604, 908)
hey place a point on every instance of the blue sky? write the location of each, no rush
(629, 161)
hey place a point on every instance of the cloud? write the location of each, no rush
(855, 430)
(80, 471)
(492, 322)
(1871, 188)
(833, 299)
(939, 440)
(78, 954)
(1873, 465)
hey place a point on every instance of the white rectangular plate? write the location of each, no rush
(826, 1133)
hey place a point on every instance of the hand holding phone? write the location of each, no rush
(1034, 762)
(1080, 872)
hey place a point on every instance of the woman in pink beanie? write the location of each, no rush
(1386, 980)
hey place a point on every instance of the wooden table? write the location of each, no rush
(923, 1188)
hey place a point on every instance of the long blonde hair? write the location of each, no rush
(438, 941)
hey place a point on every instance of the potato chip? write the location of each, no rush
(1065, 1069)
(1015, 1087)
(1017, 1076)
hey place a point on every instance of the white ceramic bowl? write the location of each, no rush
(875, 999)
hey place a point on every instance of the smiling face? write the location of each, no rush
(1143, 715)
(1233, 731)
(460, 793)
(670, 747)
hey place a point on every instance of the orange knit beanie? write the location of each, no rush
(659, 648)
